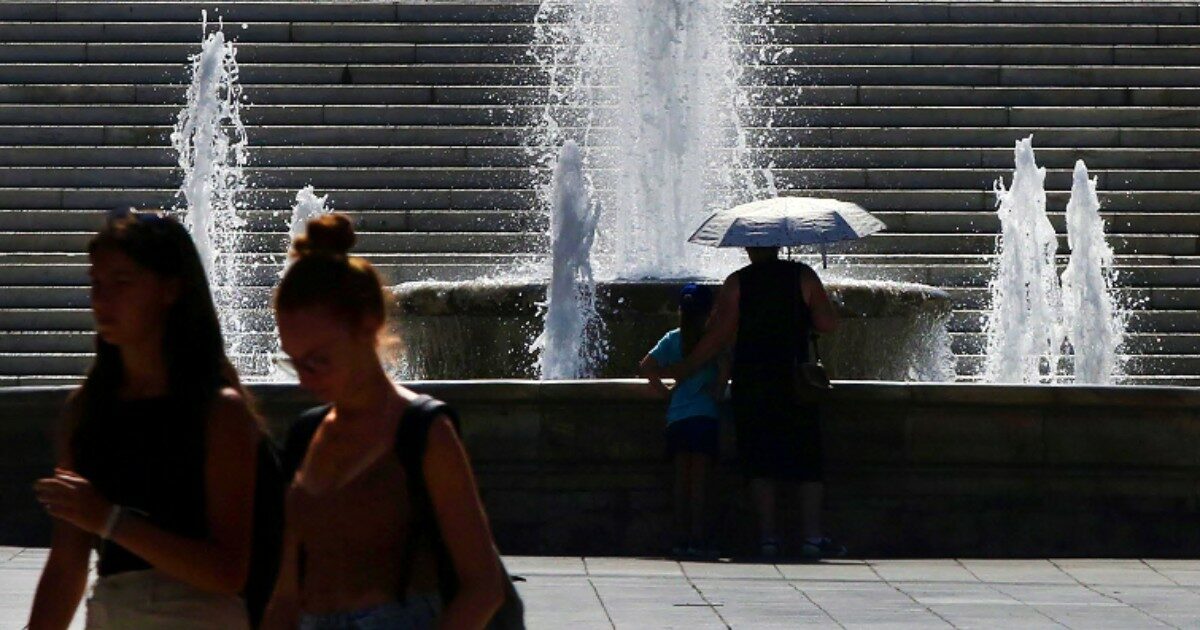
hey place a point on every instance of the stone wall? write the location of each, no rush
(913, 470)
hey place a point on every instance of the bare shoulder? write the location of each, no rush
(442, 434)
(231, 416)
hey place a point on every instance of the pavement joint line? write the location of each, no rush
(704, 598)
(587, 571)
(1164, 575)
(810, 600)
(992, 587)
(1111, 597)
(905, 593)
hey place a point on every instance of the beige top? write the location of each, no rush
(352, 542)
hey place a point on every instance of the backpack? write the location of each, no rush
(411, 440)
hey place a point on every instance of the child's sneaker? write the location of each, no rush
(821, 548)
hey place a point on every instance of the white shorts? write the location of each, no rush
(149, 600)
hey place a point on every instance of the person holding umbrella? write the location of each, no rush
(768, 311)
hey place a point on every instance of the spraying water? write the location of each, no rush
(1094, 328)
(570, 345)
(650, 90)
(210, 140)
(308, 206)
(1023, 327)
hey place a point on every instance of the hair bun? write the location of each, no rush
(327, 235)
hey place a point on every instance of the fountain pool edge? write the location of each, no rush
(576, 467)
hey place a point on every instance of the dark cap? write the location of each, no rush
(695, 297)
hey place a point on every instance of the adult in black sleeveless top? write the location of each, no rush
(156, 459)
(767, 312)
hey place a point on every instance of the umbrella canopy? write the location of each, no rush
(786, 222)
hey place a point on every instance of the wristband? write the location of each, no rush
(114, 517)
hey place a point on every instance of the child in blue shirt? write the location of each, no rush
(693, 426)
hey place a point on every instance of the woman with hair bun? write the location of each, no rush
(354, 555)
(156, 461)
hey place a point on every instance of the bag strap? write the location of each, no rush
(412, 438)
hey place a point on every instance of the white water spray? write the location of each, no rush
(571, 343)
(210, 140)
(308, 206)
(1094, 328)
(650, 90)
(1023, 328)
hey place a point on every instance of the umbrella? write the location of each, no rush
(787, 222)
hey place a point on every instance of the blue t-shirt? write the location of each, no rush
(692, 396)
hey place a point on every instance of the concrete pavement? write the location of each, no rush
(572, 592)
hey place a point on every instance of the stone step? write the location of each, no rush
(770, 96)
(517, 178)
(1177, 321)
(374, 220)
(884, 32)
(435, 155)
(517, 74)
(766, 54)
(1166, 299)
(410, 242)
(522, 32)
(529, 243)
(1138, 343)
(1133, 365)
(1014, 75)
(1000, 120)
(949, 13)
(974, 200)
(268, 198)
(936, 95)
(278, 32)
(1057, 13)
(979, 274)
(997, 137)
(989, 223)
(386, 12)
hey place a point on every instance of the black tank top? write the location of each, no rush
(145, 455)
(773, 320)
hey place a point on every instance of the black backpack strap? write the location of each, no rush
(412, 438)
(299, 436)
(295, 447)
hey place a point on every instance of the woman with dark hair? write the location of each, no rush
(356, 550)
(156, 462)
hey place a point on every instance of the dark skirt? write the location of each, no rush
(776, 437)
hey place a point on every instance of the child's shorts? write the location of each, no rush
(698, 434)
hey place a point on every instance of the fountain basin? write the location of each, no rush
(482, 329)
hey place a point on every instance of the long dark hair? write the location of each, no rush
(192, 346)
(695, 304)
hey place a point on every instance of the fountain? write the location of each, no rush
(571, 342)
(649, 92)
(1094, 327)
(210, 141)
(1023, 329)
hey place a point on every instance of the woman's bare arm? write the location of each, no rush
(823, 312)
(283, 611)
(64, 578)
(461, 518)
